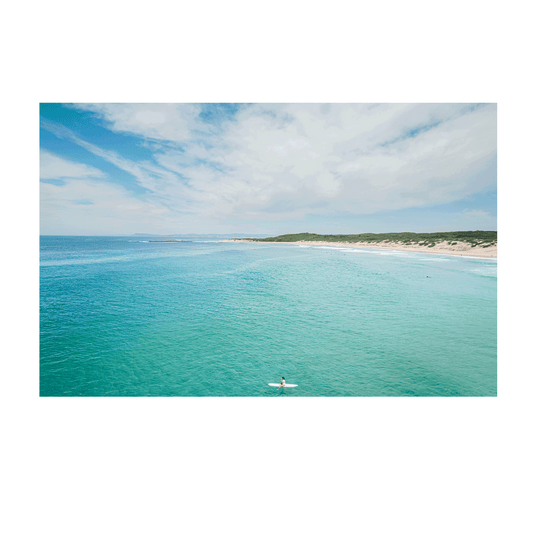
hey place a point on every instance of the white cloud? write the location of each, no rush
(167, 122)
(97, 208)
(156, 179)
(54, 167)
(358, 159)
(474, 219)
(276, 162)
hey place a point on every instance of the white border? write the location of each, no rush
(18, 183)
(30, 96)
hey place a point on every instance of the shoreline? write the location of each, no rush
(460, 249)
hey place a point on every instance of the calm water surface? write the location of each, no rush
(122, 317)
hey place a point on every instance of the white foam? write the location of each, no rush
(88, 261)
(488, 271)
(334, 248)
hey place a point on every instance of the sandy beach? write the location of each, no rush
(461, 248)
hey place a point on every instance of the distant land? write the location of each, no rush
(476, 243)
(475, 238)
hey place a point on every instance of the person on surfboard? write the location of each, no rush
(282, 384)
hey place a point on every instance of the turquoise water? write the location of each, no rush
(122, 317)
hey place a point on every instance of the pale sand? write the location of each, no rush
(461, 248)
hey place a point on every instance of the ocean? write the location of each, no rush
(123, 317)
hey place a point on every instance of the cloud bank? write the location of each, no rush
(284, 162)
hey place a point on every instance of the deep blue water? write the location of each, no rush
(122, 317)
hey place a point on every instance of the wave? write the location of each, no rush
(69, 262)
(488, 271)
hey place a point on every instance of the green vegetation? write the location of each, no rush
(475, 238)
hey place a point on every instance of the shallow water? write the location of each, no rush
(122, 317)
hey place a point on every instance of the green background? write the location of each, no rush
(258, 474)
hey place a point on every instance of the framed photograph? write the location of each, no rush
(267, 249)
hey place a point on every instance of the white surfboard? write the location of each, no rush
(286, 385)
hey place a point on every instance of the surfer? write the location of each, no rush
(282, 384)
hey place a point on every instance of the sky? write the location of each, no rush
(120, 169)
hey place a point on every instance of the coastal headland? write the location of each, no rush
(468, 243)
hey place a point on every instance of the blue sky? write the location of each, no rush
(112, 169)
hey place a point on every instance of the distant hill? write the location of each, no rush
(475, 238)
